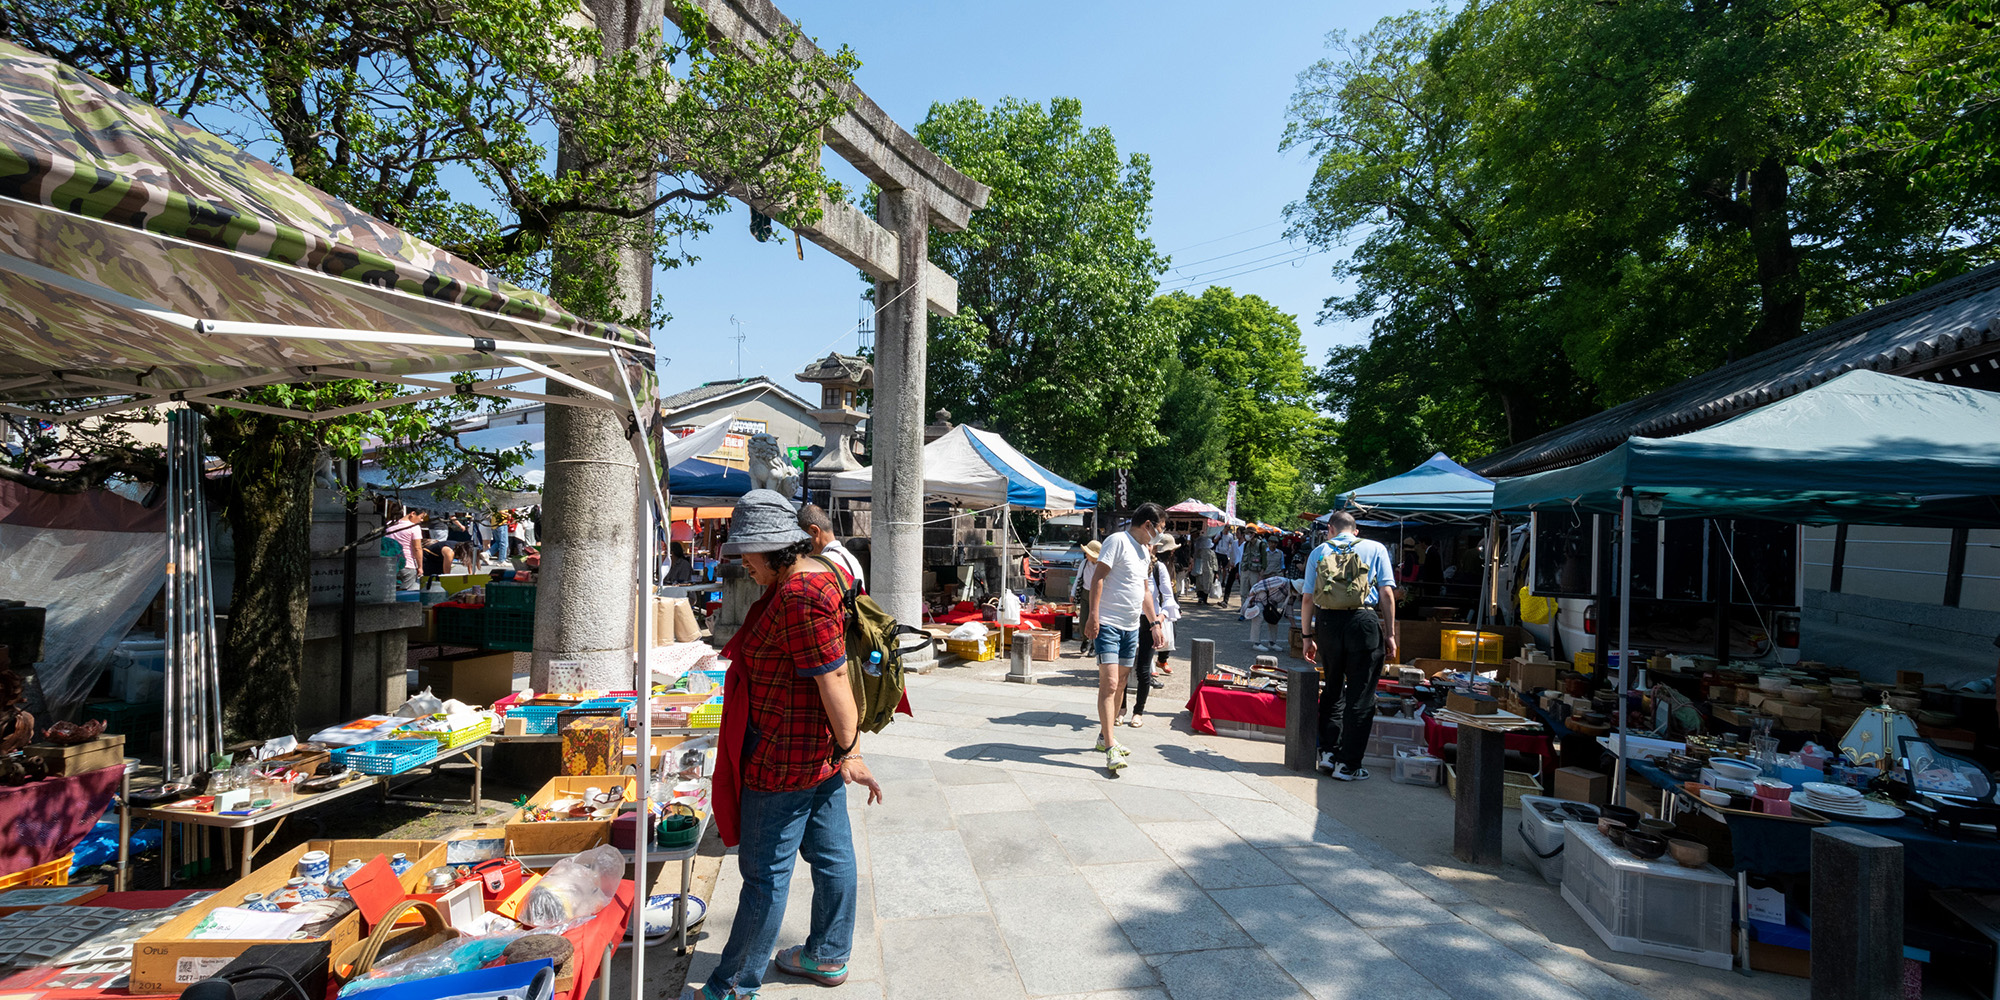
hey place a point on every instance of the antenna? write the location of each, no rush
(739, 338)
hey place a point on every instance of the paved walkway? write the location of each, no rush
(1006, 863)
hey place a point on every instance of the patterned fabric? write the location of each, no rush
(801, 636)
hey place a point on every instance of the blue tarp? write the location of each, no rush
(698, 477)
(1861, 448)
(1439, 489)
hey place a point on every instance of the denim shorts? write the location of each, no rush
(1120, 645)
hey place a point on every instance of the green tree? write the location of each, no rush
(441, 118)
(1191, 458)
(1253, 353)
(1054, 344)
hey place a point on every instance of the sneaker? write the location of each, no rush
(1348, 772)
(1100, 748)
(793, 960)
(707, 992)
(1114, 758)
(1326, 764)
(1158, 684)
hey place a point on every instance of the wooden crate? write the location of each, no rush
(1042, 644)
(90, 755)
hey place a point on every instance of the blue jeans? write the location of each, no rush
(1117, 645)
(778, 827)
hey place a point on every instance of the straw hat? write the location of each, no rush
(1092, 548)
(1165, 543)
(763, 522)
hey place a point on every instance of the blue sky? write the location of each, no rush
(1200, 87)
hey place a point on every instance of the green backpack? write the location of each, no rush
(1344, 580)
(874, 653)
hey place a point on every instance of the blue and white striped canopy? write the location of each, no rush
(980, 469)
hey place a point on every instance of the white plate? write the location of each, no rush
(1864, 809)
(1828, 790)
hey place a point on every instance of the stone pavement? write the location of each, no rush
(1006, 863)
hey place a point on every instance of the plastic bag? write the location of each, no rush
(420, 705)
(968, 632)
(574, 889)
(463, 953)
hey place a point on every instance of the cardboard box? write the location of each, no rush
(1780, 959)
(89, 755)
(473, 678)
(166, 961)
(1471, 704)
(1582, 785)
(1645, 803)
(1799, 718)
(514, 726)
(627, 761)
(1534, 676)
(563, 836)
(588, 744)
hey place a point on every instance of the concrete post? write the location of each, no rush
(1201, 660)
(897, 495)
(1020, 664)
(1482, 782)
(587, 548)
(1301, 716)
(1857, 908)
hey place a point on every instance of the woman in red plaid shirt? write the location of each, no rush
(798, 755)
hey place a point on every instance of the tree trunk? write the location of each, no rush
(270, 518)
(1782, 294)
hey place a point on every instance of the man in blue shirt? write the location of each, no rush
(1348, 618)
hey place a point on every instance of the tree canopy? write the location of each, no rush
(1564, 204)
(1053, 345)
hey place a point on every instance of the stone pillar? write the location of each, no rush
(1020, 664)
(897, 498)
(1201, 660)
(1482, 784)
(1857, 908)
(588, 549)
(1301, 717)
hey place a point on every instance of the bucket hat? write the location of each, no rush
(763, 522)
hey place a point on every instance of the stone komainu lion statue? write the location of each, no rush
(768, 468)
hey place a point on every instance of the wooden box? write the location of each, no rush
(473, 678)
(1582, 785)
(627, 761)
(564, 836)
(89, 755)
(167, 961)
(1042, 644)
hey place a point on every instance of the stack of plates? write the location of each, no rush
(1841, 801)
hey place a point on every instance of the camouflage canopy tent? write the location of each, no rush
(144, 261)
(141, 257)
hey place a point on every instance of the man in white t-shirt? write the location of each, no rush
(816, 523)
(1120, 605)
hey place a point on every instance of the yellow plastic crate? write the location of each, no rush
(1456, 644)
(451, 740)
(45, 874)
(975, 649)
(707, 716)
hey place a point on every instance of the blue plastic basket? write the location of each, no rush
(387, 756)
(538, 720)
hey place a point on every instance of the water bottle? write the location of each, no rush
(434, 593)
(874, 666)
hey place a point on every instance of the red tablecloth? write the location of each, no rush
(45, 819)
(1258, 708)
(1031, 619)
(1437, 734)
(589, 940)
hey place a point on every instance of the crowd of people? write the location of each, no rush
(427, 544)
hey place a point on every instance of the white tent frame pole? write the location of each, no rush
(651, 509)
(1624, 583)
(287, 331)
(569, 380)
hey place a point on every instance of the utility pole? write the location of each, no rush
(739, 338)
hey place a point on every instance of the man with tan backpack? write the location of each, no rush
(1348, 617)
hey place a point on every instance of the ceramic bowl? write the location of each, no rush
(1800, 695)
(1716, 798)
(1657, 827)
(1612, 830)
(1688, 853)
(1773, 683)
(1645, 846)
(1734, 768)
(1772, 788)
(1627, 816)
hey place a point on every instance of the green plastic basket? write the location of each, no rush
(460, 626)
(510, 596)
(509, 629)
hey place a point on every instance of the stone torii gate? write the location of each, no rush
(919, 190)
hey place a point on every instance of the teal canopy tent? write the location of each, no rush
(1438, 490)
(1861, 448)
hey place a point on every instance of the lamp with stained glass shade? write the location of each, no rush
(1875, 737)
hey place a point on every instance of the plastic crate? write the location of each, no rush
(387, 756)
(449, 740)
(1654, 908)
(47, 873)
(1230, 727)
(509, 629)
(1519, 784)
(1541, 832)
(456, 626)
(976, 650)
(540, 720)
(708, 716)
(1415, 766)
(510, 596)
(1390, 734)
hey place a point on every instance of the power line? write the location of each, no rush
(1210, 281)
(1232, 253)
(1287, 252)
(1231, 237)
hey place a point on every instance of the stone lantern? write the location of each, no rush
(841, 378)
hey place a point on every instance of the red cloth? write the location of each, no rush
(1259, 708)
(46, 819)
(1437, 734)
(1036, 619)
